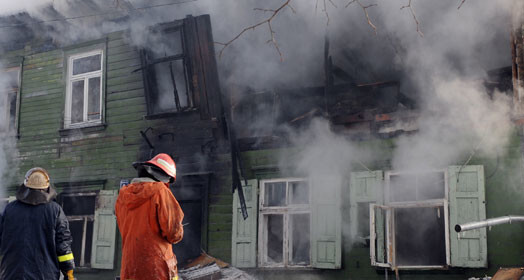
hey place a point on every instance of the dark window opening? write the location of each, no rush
(166, 74)
(420, 236)
(8, 98)
(80, 210)
(363, 223)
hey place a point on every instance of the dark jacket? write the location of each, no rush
(34, 234)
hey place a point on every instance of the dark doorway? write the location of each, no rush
(192, 192)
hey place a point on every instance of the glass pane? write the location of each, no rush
(403, 187)
(431, 186)
(78, 205)
(12, 109)
(417, 187)
(77, 102)
(10, 79)
(87, 64)
(275, 194)
(93, 97)
(166, 44)
(168, 77)
(363, 223)
(299, 242)
(299, 192)
(275, 238)
(420, 236)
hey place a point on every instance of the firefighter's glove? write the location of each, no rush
(69, 275)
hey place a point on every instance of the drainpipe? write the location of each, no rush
(489, 223)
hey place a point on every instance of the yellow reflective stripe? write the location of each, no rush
(175, 278)
(65, 258)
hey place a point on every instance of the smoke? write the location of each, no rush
(442, 70)
(8, 151)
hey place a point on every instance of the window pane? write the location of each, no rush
(77, 102)
(78, 205)
(12, 109)
(275, 194)
(87, 64)
(417, 187)
(363, 223)
(167, 44)
(93, 105)
(275, 238)
(77, 232)
(300, 242)
(431, 186)
(299, 192)
(420, 236)
(169, 76)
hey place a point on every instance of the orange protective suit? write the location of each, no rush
(150, 220)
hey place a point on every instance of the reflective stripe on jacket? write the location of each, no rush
(150, 221)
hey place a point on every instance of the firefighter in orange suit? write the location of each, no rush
(150, 221)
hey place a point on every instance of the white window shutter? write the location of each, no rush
(104, 231)
(244, 236)
(364, 187)
(326, 225)
(467, 204)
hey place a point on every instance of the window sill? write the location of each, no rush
(86, 270)
(82, 130)
(170, 114)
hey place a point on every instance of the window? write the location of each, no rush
(292, 223)
(84, 89)
(9, 80)
(92, 225)
(284, 223)
(166, 72)
(411, 217)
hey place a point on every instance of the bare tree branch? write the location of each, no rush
(365, 9)
(267, 21)
(414, 17)
(461, 3)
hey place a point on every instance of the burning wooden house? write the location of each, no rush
(86, 110)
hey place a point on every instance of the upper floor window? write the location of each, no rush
(84, 89)
(166, 72)
(9, 79)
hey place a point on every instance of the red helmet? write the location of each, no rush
(164, 162)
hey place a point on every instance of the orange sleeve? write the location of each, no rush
(170, 217)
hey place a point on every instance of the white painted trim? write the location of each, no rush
(285, 211)
(85, 77)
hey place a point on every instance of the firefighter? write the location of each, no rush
(35, 241)
(150, 221)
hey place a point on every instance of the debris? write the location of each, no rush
(206, 267)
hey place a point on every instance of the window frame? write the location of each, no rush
(7, 101)
(86, 219)
(151, 89)
(70, 78)
(285, 211)
(390, 224)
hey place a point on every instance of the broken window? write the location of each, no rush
(92, 223)
(84, 90)
(284, 238)
(412, 218)
(165, 66)
(9, 79)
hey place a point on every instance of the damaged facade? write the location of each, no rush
(86, 111)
